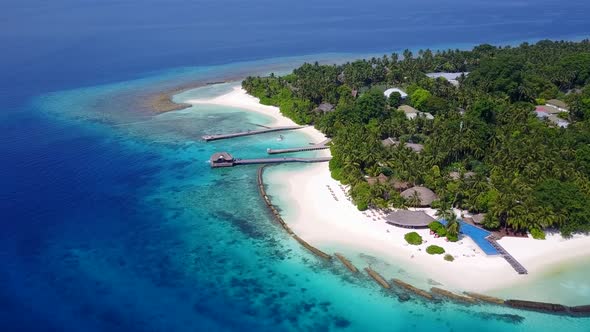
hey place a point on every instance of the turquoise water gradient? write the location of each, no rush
(166, 243)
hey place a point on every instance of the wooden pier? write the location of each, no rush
(319, 146)
(511, 260)
(216, 137)
(224, 159)
(280, 160)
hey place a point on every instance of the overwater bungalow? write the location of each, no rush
(426, 196)
(221, 159)
(409, 219)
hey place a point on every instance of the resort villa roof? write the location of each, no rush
(546, 109)
(409, 219)
(426, 195)
(557, 104)
(451, 77)
(221, 159)
(391, 142)
(324, 108)
(476, 218)
(382, 179)
(412, 113)
(389, 91)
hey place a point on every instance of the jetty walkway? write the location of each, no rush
(208, 138)
(511, 260)
(224, 159)
(319, 146)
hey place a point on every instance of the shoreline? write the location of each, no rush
(314, 214)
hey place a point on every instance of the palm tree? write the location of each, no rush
(415, 200)
(453, 226)
(444, 211)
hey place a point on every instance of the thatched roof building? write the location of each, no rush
(477, 219)
(221, 159)
(426, 195)
(409, 219)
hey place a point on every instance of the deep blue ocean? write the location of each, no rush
(111, 219)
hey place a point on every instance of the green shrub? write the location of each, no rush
(413, 238)
(362, 206)
(435, 225)
(435, 250)
(449, 258)
(537, 234)
(452, 238)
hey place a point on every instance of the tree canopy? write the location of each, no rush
(524, 172)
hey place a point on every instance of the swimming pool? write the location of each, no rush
(478, 235)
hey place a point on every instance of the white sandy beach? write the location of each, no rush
(240, 99)
(318, 210)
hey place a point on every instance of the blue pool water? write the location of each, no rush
(478, 235)
(112, 220)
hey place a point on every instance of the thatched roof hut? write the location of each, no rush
(409, 219)
(221, 159)
(426, 195)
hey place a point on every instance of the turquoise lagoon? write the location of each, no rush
(154, 239)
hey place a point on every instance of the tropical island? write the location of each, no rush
(502, 133)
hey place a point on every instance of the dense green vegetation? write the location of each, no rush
(449, 258)
(413, 238)
(525, 173)
(435, 250)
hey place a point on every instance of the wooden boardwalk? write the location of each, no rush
(511, 260)
(208, 138)
(275, 161)
(318, 146)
